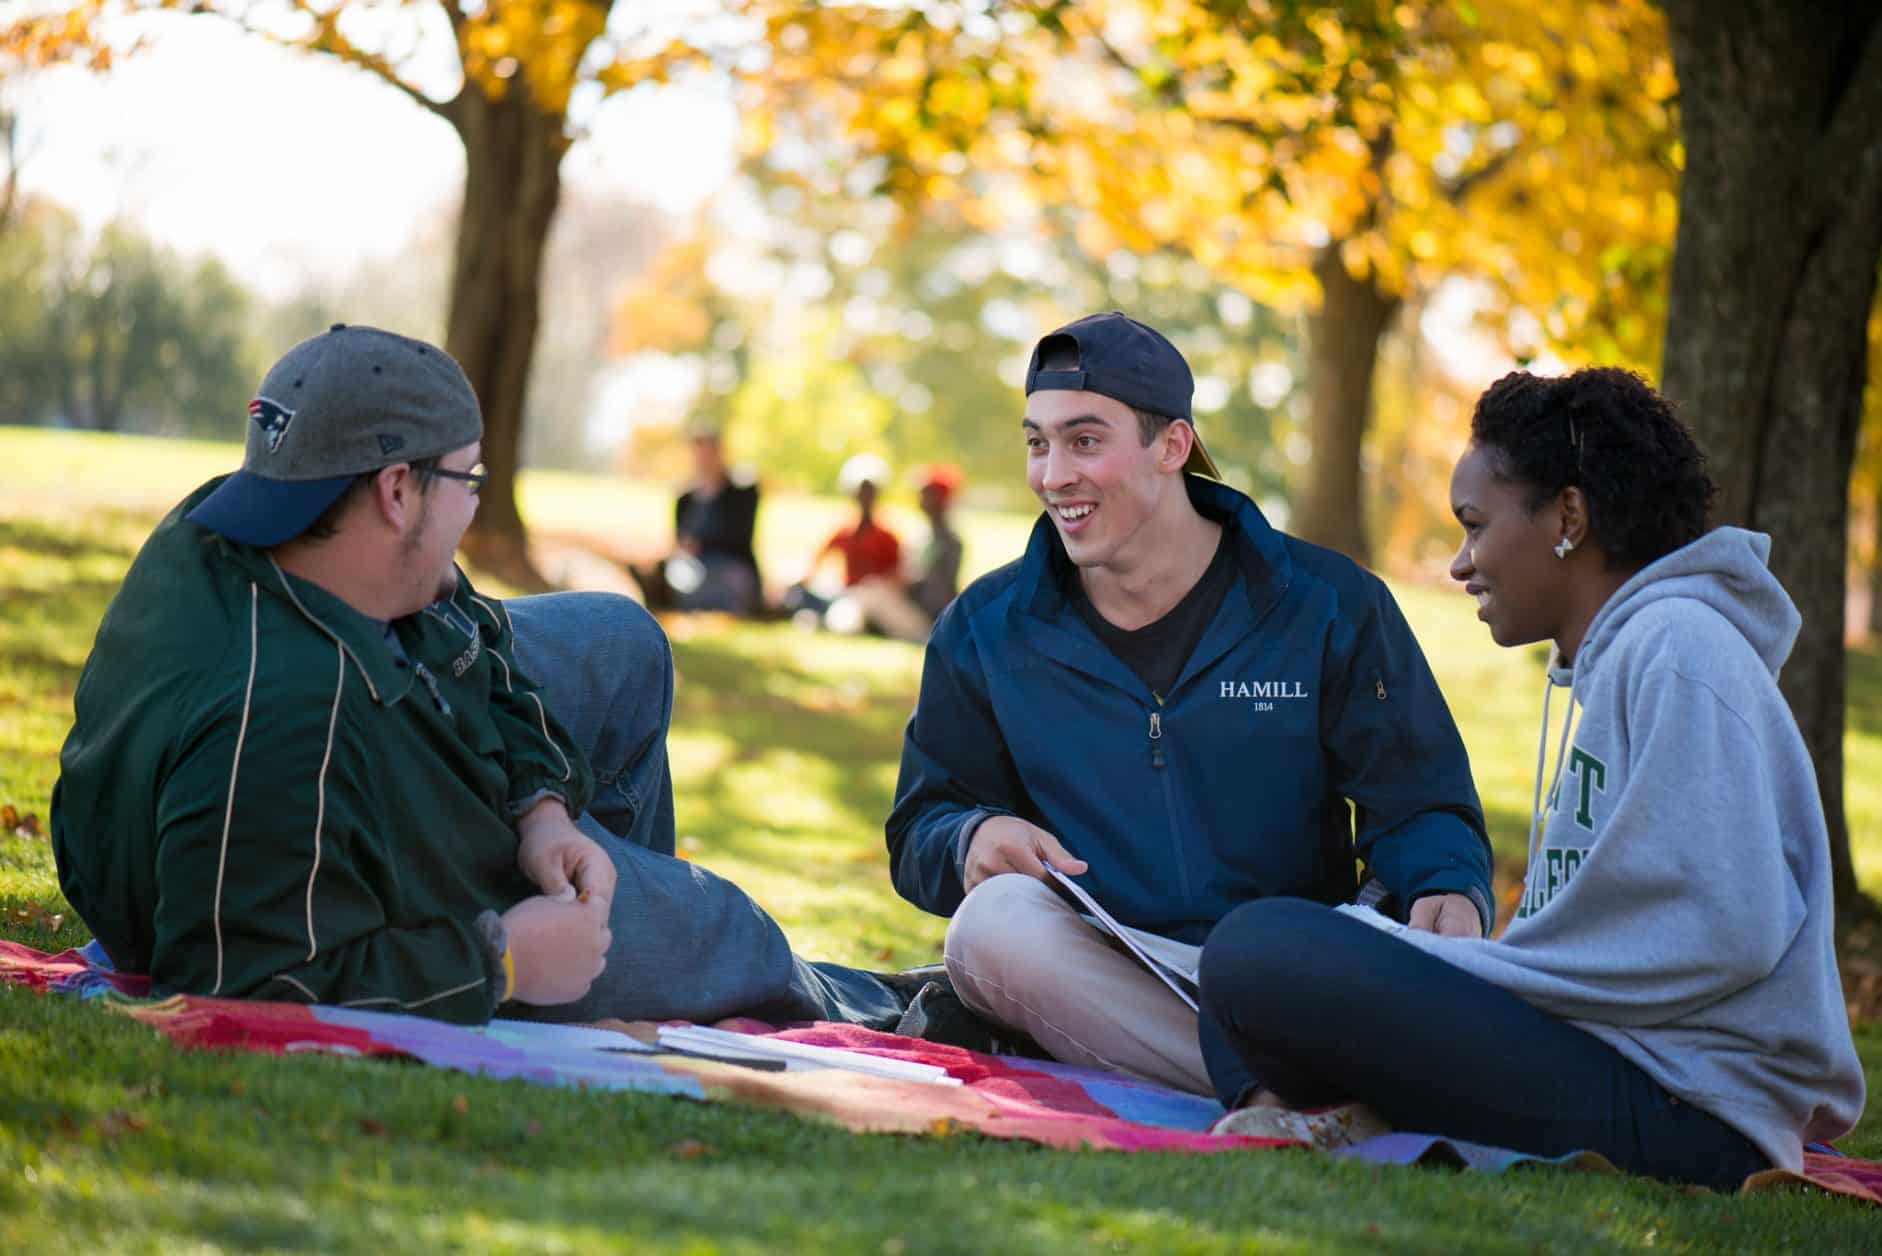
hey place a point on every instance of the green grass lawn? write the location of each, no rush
(784, 750)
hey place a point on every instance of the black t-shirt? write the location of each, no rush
(1157, 651)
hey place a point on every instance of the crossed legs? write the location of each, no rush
(1019, 955)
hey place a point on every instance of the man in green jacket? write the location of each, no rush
(310, 761)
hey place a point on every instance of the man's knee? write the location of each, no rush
(1003, 925)
(621, 638)
(643, 641)
(605, 630)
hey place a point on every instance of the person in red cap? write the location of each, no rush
(939, 578)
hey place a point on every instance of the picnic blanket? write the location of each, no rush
(1057, 1105)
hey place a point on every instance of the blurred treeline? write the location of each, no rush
(108, 330)
(1338, 261)
(807, 329)
(113, 333)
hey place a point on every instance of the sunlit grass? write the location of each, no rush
(784, 753)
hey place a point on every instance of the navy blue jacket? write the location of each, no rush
(1307, 691)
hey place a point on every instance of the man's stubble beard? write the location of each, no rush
(447, 580)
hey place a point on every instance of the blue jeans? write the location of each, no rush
(688, 945)
(1323, 1009)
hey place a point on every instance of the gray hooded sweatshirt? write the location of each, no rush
(1679, 906)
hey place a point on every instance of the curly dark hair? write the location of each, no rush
(1607, 432)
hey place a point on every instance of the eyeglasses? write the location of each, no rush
(474, 477)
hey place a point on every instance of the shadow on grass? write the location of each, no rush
(42, 671)
(771, 704)
(97, 539)
(44, 635)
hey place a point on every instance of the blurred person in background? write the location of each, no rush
(868, 549)
(904, 605)
(713, 566)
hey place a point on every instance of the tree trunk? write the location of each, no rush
(1343, 338)
(9, 153)
(1875, 566)
(1774, 270)
(513, 157)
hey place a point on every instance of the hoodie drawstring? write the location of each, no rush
(1555, 781)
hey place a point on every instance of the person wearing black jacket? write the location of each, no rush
(713, 567)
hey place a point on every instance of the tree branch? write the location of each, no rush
(326, 38)
(1457, 189)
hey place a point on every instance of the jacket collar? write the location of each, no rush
(360, 637)
(1055, 629)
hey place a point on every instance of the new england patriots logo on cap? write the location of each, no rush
(272, 418)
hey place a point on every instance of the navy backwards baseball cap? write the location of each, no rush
(352, 400)
(1123, 359)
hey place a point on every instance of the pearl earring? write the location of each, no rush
(1563, 546)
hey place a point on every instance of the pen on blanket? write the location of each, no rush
(763, 1066)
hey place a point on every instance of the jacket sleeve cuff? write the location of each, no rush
(493, 944)
(520, 804)
(965, 838)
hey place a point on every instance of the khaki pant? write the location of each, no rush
(1019, 955)
(880, 603)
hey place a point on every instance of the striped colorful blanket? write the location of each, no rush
(1058, 1105)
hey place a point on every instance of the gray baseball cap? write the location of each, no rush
(352, 400)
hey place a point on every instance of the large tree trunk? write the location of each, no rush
(1343, 338)
(10, 154)
(1774, 270)
(1875, 565)
(513, 156)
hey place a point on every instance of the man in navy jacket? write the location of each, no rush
(1174, 703)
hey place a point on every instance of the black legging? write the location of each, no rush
(1322, 1009)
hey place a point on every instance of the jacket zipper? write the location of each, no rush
(1158, 762)
(425, 675)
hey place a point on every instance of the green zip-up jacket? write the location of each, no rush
(261, 799)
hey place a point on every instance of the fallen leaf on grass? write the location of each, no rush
(38, 916)
(114, 1124)
(460, 1105)
(690, 1149)
(372, 1128)
(11, 821)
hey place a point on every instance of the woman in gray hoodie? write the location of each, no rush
(1667, 994)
